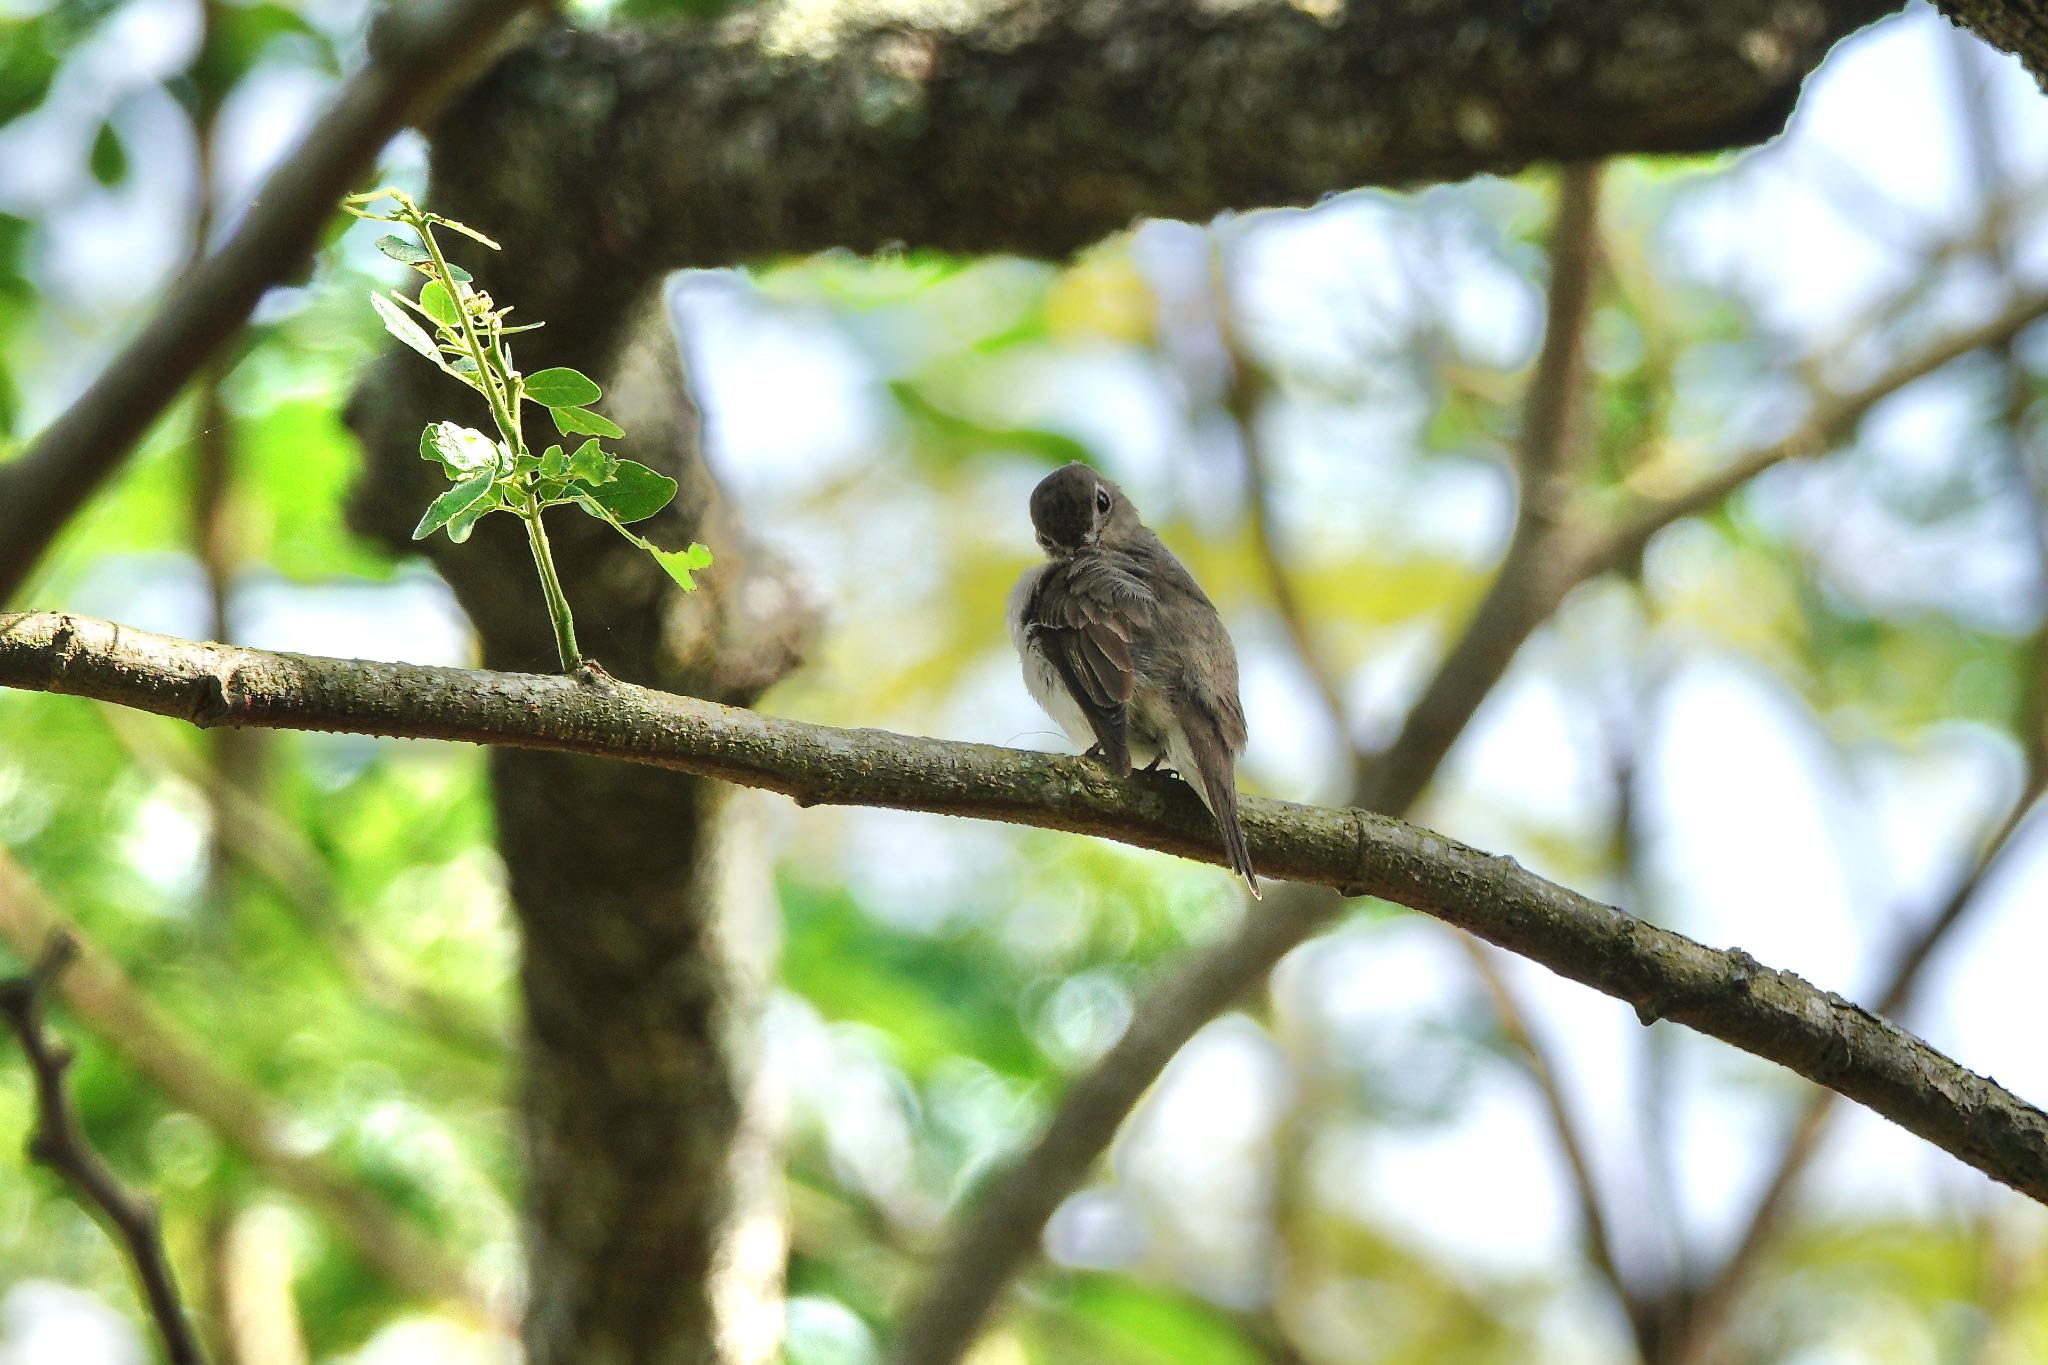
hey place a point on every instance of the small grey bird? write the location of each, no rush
(1121, 646)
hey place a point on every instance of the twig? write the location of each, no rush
(1711, 1302)
(422, 54)
(59, 1142)
(100, 994)
(1513, 1019)
(1833, 415)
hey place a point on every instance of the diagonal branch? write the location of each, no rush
(1726, 994)
(100, 993)
(422, 54)
(59, 1141)
(1833, 416)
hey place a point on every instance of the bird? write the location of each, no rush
(1125, 651)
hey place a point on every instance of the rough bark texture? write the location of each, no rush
(2016, 26)
(1664, 975)
(1038, 127)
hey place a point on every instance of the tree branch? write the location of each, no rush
(59, 1141)
(420, 55)
(98, 992)
(1834, 414)
(1726, 994)
(2016, 26)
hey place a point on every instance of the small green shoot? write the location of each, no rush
(458, 327)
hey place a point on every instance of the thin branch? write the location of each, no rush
(1712, 1302)
(1521, 596)
(59, 1142)
(254, 837)
(100, 994)
(1726, 994)
(1544, 454)
(1513, 1018)
(421, 55)
(1832, 417)
(1244, 393)
(1575, 255)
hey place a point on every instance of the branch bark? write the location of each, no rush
(1726, 994)
(2016, 26)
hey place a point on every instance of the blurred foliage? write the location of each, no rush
(882, 420)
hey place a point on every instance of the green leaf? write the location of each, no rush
(400, 324)
(583, 422)
(554, 464)
(591, 465)
(452, 504)
(634, 494)
(458, 449)
(109, 160)
(460, 525)
(398, 249)
(439, 305)
(680, 564)
(562, 387)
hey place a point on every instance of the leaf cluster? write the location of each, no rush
(464, 332)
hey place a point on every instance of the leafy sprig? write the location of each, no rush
(463, 331)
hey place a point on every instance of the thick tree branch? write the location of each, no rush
(2016, 26)
(100, 993)
(1725, 994)
(421, 54)
(1038, 126)
(59, 1141)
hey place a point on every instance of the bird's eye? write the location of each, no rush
(1102, 501)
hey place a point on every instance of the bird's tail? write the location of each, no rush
(1215, 780)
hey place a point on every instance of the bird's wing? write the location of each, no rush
(1084, 615)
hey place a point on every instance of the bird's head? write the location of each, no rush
(1074, 508)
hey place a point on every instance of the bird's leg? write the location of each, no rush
(1092, 751)
(1153, 766)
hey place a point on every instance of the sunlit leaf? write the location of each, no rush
(681, 564)
(435, 300)
(562, 387)
(451, 504)
(584, 422)
(459, 449)
(400, 324)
